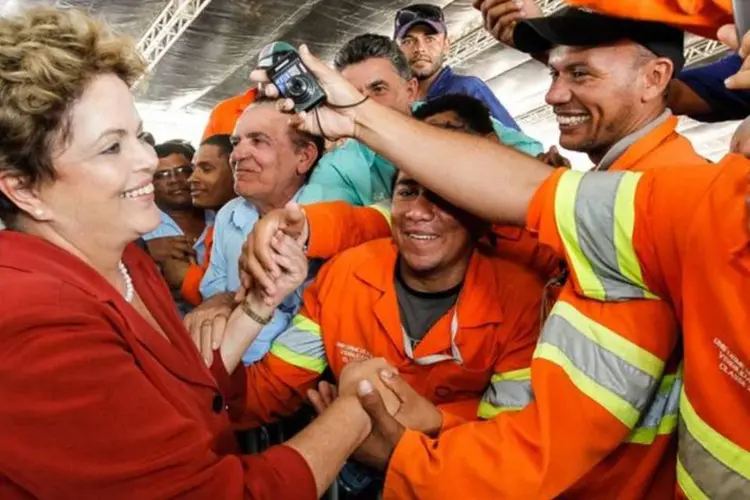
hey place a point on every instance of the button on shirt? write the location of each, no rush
(449, 82)
(233, 223)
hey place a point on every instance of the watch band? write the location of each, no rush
(253, 315)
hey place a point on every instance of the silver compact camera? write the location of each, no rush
(295, 82)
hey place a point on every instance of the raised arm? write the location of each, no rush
(491, 180)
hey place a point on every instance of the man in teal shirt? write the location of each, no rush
(353, 172)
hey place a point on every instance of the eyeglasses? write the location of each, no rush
(181, 172)
(420, 11)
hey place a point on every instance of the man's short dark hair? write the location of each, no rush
(368, 46)
(469, 109)
(222, 141)
(175, 148)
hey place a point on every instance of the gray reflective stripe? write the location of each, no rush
(713, 478)
(302, 342)
(595, 224)
(509, 394)
(665, 403)
(604, 367)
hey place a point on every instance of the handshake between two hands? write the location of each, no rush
(392, 405)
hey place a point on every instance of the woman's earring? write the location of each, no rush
(39, 212)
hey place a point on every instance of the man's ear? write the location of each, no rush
(657, 73)
(447, 46)
(22, 194)
(306, 157)
(412, 86)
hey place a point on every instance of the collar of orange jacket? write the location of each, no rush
(476, 302)
(702, 17)
(642, 145)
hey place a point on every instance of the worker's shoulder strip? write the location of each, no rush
(301, 345)
(708, 464)
(595, 215)
(605, 366)
(508, 391)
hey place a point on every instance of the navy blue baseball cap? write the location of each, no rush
(420, 13)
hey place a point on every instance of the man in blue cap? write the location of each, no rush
(421, 32)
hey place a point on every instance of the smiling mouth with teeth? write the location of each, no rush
(135, 193)
(571, 120)
(422, 237)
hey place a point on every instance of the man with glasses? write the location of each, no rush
(422, 34)
(181, 234)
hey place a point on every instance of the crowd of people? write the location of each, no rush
(401, 290)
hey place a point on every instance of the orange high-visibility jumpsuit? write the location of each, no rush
(351, 312)
(683, 235)
(549, 448)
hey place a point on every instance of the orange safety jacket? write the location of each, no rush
(350, 312)
(680, 234)
(702, 17)
(224, 116)
(191, 284)
(590, 431)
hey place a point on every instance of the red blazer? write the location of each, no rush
(94, 403)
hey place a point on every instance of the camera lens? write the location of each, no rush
(298, 87)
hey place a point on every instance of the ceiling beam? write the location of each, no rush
(168, 27)
(478, 40)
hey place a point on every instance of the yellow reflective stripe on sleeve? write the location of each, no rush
(595, 216)
(521, 374)
(310, 363)
(661, 417)
(565, 217)
(488, 411)
(617, 406)
(719, 467)
(627, 260)
(306, 324)
(611, 341)
(647, 435)
(508, 391)
(687, 485)
(384, 207)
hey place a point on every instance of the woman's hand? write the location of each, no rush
(334, 119)
(234, 335)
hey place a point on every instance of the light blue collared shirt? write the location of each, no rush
(168, 227)
(233, 223)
